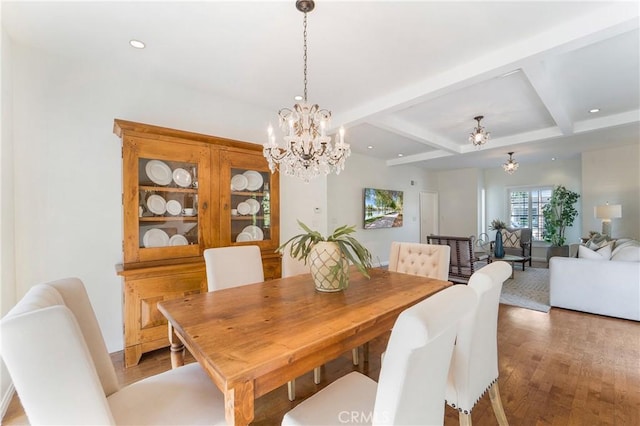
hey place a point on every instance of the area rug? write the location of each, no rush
(528, 289)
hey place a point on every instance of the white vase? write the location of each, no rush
(324, 258)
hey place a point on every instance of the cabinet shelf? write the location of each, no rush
(169, 219)
(168, 189)
(248, 193)
(245, 218)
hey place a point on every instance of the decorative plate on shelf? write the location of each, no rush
(178, 240)
(182, 178)
(255, 232)
(254, 179)
(156, 204)
(159, 172)
(254, 204)
(244, 208)
(243, 236)
(174, 207)
(239, 183)
(155, 237)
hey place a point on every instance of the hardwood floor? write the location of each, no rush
(560, 368)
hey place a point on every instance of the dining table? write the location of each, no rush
(254, 338)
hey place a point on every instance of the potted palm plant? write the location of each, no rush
(558, 214)
(329, 256)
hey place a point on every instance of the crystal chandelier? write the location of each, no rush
(307, 150)
(511, 165)
(479, 136)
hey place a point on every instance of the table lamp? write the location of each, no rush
(607, 212)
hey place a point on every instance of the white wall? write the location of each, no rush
(612, 175)
(497, 182)
(68, 165)
(7, 267)
(345, 201)
(458, 201)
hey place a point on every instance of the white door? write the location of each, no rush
(428, 215)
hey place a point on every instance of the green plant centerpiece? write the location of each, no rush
(558, 214)
(329, 257)
(497, 225)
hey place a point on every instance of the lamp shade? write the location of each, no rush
(608, 211)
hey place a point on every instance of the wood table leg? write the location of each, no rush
(238, 404)
(177, 349)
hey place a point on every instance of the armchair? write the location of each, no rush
(464, 260)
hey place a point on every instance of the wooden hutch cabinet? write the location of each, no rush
(182, 193)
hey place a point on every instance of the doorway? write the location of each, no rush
(428, 215)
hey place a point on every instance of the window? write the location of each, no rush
(525, 208)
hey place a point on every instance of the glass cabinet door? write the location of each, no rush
(165, 202)
(249, 204)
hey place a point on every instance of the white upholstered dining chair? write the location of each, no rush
(427, 260)
(233, 266)
(58, 361)
(474, 365)
(412, 378)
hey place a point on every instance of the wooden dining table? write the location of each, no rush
(255, 338)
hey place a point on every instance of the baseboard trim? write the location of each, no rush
(6, 400)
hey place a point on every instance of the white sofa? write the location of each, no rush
(604, 287)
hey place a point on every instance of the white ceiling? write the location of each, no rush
(404, 77)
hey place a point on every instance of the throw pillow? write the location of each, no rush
(603, 253)
(511, 239)
(627, 252)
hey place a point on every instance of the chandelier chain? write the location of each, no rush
(305, 56)
(306, 150)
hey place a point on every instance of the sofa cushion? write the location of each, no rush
(511, 239)
(603, 253)
(627, 252)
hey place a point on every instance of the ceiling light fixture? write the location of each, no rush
(307, 150)
(479, 136)
(137, 44)
(594, 110)
(511, 165)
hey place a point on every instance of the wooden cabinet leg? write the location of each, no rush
(177, 349)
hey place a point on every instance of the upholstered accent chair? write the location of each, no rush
(464, 260)
(427, 260)
(58, 361)
(474, 364)
(517, 242)
(412, 380)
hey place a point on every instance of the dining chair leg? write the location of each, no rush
(496, 403)
(316, 375)
(464, 419)
(356, 357)
(291, 389)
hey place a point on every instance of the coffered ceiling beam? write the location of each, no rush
(549, 95)
(563, 38)
(409, 130)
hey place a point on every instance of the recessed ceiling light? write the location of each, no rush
(137, 44)
(297, 97)
(553, 158)
(594, 110)
(400, 155)
(370, 147)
